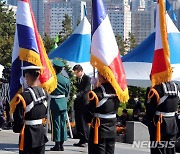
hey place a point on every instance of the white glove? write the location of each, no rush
(74, 97)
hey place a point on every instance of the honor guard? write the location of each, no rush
(160, 113)
(58, 107)
(29, 112)
(101, 113)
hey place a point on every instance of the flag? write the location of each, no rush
(29, 49)
(105, 55)
(161, 70)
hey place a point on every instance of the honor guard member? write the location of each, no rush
(101, 113)
(30, 110)
(160, 113)
(58, 107)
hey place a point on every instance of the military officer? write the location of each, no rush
(58, 107)
(28, 110)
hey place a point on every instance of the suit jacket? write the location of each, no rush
(82, 92)
(60, 104)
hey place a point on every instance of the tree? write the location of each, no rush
(136, 91)
(7, 31)
(125, 45)
(131, 41)
(48, 42)
(121, 44)
(66, 31)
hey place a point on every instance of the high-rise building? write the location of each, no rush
(176, 8)
(12, 2)
(119, 14)
(37, 6)
(143, 18)
(55, 12)
(38, 10)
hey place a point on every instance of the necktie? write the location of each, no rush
(79, 80)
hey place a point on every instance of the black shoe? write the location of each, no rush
(80, 144)
(55, 148)
(61, 148)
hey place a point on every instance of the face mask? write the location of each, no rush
(136, 99)
(23, 82)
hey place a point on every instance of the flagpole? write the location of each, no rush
(22, 76)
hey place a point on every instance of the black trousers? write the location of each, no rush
(104, 146)
(167, 146)
(38, 150)
(81, 127)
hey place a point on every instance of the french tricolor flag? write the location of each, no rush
(105, 55)
(161, 68)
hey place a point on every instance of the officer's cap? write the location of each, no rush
(58, 63)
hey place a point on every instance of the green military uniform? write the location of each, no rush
(58, 107)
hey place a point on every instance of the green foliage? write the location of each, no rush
(130, 112)
(48, 42)
(131, 41)
(7, 31)
(125, 45)
(73, 89)
(66, 31)
(121, 44)
(136, 91)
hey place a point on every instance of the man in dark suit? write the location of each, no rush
(83, 87)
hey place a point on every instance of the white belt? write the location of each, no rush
(57, 96)
(33, 122)
(166, 114)
(106, 116)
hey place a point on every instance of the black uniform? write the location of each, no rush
(107, 114)
(167, 106)
(83, 87)
(36, 108)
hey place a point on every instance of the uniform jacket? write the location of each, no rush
(107, 127)
(34, 135)
(82, 92)
(168, 126)
(63, 86)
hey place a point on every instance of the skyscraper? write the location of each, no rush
(55, 12)
(12, 2)
(37, 6)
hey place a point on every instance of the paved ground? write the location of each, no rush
(8, 145)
